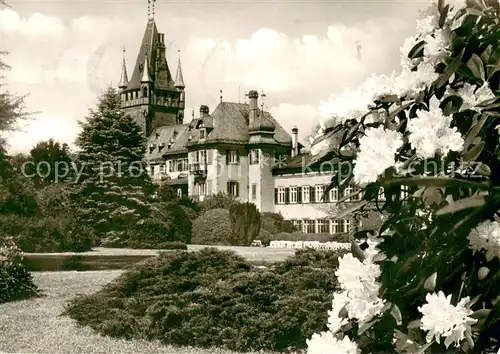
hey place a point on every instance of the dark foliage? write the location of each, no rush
(216, 298)
(274, 223)
(212, 228)
(47, 234)
(49, 162)
(245, 223)
(113, 191)
(16, 283)
(218, 201)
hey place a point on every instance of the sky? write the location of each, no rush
(64, 53)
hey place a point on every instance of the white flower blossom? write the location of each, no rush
(437, 46)
(430, 132)
(471, 96)
(349, 105)
(441, 319)
(377, 153)
(326, 343)
(486, 236)
(428, 20)
(359, 281)
(359, 297)
(404, 50)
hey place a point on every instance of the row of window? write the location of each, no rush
(312, 194)
(201, 156)
(316, 194)
(320, 226)
(232, 188)
(136, 94)
(179, 165)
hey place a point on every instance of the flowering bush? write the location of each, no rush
(15, 281)
(430, 282)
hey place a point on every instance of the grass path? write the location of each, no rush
(34, 325)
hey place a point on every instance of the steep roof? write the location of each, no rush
(177, 134)
(227, 124)
(151, 41)
(230, 125)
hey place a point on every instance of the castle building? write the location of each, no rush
(237, 148)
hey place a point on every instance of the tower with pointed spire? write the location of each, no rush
(151, 95)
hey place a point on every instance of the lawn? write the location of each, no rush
(35, 325)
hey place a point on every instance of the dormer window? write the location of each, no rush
(161, 146)
(152, 147)
(202, 133)
(145, 92)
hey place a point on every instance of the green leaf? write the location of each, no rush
(389, 99)
(366, 326)
(423, 348)
(491, 69)
(396, 313)
(476, 65)
(474, 12)
(483, 170)
(414, 324)
(436, 182)
(451, 104)
(417, 51)
(474, 152)
(379, 257)
(476, 128)
(357, 251)
(485, 56)
(462, 204)
(481, 313)
(443, 14)
(451, 68)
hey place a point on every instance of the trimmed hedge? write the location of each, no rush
(215, 298)
(213, 228)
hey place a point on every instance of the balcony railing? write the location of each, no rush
(160, 101)
(198, 167)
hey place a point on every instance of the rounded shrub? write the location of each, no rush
(212, 228)
(16, 283)
(214, 298)
(265, 237)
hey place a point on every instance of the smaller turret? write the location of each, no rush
(124, 77)
(179, 79)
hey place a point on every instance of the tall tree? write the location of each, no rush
(50, 162)
(113, 189)
(12, 106)
(15, 195)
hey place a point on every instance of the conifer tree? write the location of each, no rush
(112, 185)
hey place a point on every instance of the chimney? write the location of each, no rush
(204, 111)
(295, 141)
(254, 108)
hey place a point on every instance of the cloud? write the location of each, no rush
(43, 127)
(37, 25)
(301, 116)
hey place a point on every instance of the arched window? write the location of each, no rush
(145, 92)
